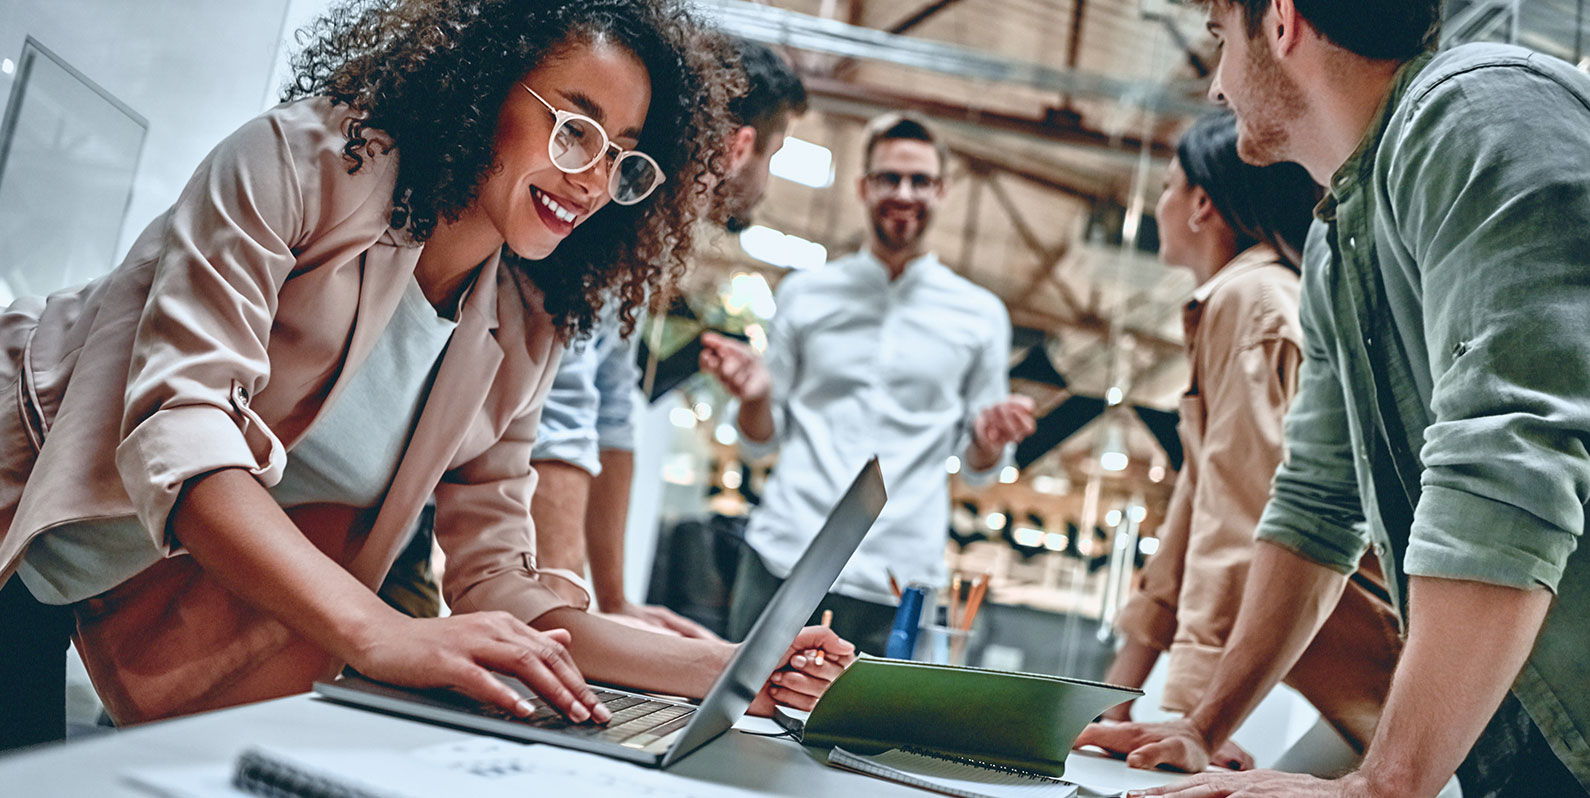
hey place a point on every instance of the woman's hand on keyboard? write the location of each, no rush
(803, 676)
(464, 651)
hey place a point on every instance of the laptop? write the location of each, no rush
(647, 730)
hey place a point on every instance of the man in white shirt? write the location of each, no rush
(883, 352)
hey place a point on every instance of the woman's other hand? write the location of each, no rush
(811, 664)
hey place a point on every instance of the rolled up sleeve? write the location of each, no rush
(616, 378)
(1245, 396)
(1315, 508)
(568, 426)
(200, 347)
(1501, 241)
(782, 361)
(483, 526)
(1149, 616)
(985, 385)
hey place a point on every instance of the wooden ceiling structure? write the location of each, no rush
(1060, 117)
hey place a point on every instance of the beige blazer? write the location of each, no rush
(1245, 344)
(231, 324)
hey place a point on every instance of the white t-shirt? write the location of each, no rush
(348, 457)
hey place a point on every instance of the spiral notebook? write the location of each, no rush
(958, 777)
(480, 767)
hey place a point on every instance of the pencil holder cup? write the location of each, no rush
(943, 645)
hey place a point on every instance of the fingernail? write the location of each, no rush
(579, 714)
(798, 661)
(778, 678)
(524, 707)
(602, 713)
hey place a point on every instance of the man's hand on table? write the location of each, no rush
(1174, 744)
(1261, 784)
(659, 619)
(811, 664)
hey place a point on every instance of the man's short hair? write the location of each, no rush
(1380, 29)
(897, 126)
(772, 92)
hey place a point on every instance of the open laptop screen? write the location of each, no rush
(787, 612)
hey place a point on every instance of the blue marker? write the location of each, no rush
(902, 639)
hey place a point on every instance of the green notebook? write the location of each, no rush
(1022, 721)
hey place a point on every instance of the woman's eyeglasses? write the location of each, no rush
(577, 143)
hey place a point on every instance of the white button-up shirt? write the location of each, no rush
(860, 365)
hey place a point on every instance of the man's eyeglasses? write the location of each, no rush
(920, 182)
(577, 143)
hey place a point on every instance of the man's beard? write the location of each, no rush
(909, 239)
(1274, 102)
(739, 202)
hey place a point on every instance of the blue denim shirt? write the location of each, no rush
(592, 396)
(1445, 391)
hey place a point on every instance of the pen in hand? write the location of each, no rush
(828, 620)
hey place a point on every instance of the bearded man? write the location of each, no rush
(884, 352)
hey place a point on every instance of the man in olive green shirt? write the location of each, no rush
(1444, 398)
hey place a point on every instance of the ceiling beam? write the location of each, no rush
(1074, 41)
(921, 15)
(777, 26)
(1091, 324)
(846, 67)
(1051, 127)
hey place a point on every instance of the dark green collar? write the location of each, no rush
(1361, 163)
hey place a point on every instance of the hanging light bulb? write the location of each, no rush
(1112, 451)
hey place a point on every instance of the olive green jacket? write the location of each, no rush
(1444, 395)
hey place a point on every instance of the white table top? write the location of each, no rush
(93, 767)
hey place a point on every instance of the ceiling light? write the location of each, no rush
(803, 162)
(1027, 536)
(780, 249)
(1112, 452)
(1148, 546)
(749, 292)
(1008, 474)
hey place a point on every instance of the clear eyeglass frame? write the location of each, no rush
(620, 185)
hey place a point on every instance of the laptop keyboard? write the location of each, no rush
(637, 722)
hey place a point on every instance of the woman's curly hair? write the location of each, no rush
(432, 75)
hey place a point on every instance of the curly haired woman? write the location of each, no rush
(210, 456)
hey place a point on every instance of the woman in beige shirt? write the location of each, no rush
(432, 203)
(1240, 230)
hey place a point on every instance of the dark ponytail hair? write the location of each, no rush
(1262, 204)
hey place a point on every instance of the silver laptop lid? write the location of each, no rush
(786, 613)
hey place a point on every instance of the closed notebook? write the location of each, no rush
(960, 778)
(1022, 721)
